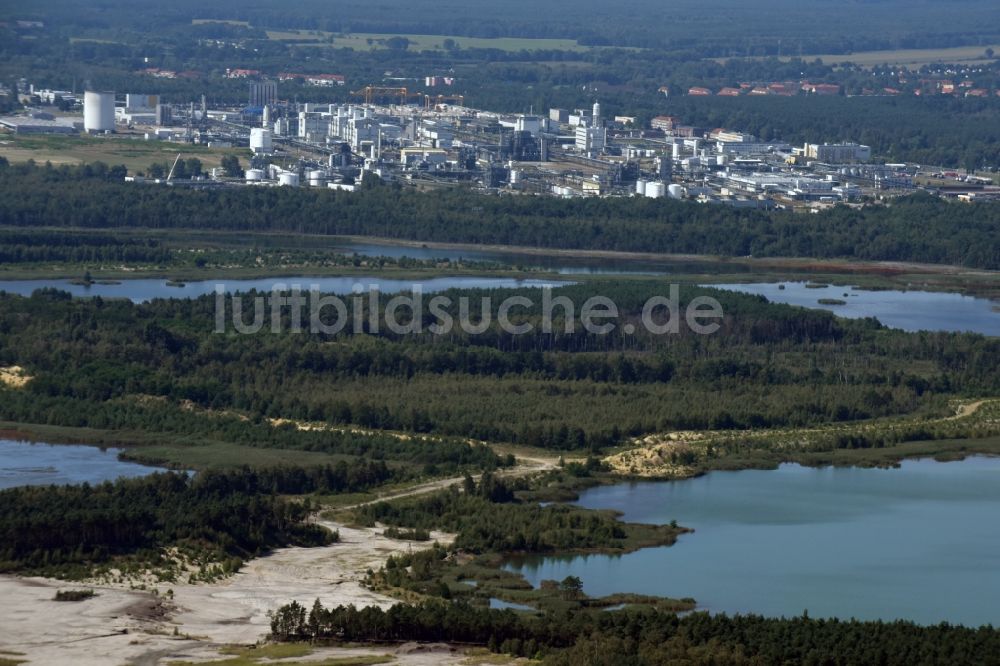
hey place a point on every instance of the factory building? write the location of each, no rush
(263, 93)
(98, 111)
(164, 115)
(837, 153)
(38, 123)
(530, 124)
(135, 102)
(313, 126)
(664, 123)
(591, 140)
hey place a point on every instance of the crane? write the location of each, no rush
(371, 93)
(430, 102)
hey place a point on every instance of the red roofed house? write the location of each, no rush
(729, 92)
(698, 91)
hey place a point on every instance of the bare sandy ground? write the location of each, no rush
(122, 626)
(14, 376)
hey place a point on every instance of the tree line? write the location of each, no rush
(231, 514)
(919, 228)
(646, 638)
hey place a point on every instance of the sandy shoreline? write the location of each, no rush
(123, 626)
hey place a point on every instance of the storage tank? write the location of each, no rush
(677, 150)
(98, 111)
(254, 175)
(260, 140)
(640, 187)
(655, 190)
(317, 178)
(676, 191)
(288, 179)
(515, 176)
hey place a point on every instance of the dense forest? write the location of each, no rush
(717, 27)
(648, 638)
(218, 515)
(160, 367)
(919, 228)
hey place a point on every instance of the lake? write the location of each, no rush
(37, 464)
(918, 543)
(906, 310)
(144, 289)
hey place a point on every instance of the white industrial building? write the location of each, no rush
(837, 153)
(591, 140)
(38, 122)
(313, 126)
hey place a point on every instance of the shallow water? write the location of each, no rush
(37, 464)
(906, 310)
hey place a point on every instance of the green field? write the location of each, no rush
(134, 152)
(374, 41)
(968, 55)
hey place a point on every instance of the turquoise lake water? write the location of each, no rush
(920, 543)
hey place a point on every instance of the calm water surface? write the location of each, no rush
(907, 310)
(36, 464)
(143, 290)
(920, 543)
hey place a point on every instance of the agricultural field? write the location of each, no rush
(913, 58)
(375, 41)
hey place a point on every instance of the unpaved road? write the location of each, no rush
(124, 626)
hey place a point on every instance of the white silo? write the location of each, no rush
(676, 191)
(640, 187)
(288, 179)
(98, 111)
(655, 190)
(253, 175)
(317, 178)
(260, 140)
(677, 150)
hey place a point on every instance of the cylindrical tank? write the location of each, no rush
(640, 187)
(676, 191)
(677, 150)
(254, 175)
(288, 179)
(98, 111)
(515, 176)
(317, 178)
(654, 190)
(260, 140)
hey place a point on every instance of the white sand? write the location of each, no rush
(125, 626)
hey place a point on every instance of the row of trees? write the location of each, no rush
(649, 638)
(919, 228)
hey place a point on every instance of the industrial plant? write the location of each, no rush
(432, 141)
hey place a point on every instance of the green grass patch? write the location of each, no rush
(371, 41)
(133, 151)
